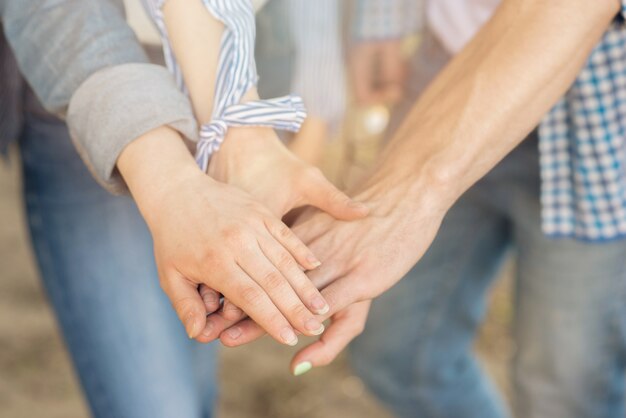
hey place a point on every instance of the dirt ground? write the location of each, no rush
(36, 378)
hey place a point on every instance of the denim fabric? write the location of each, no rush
(95, 257)
(570, 313)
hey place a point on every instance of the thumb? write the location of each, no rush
(322, 194)
(345, 326)
(187, 302)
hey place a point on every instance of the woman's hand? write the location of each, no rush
(255, 160)
(344, 326)
(206, 232)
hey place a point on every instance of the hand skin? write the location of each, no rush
(491, 95)
(378, 71)
(308, 144)
(251, 159)
(206, 232)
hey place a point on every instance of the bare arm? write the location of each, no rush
(494, 92)
(476, 111)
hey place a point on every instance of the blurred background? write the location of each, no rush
(36, 378)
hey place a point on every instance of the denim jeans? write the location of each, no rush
(569, 324)
(94, 253)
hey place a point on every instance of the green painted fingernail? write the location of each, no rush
(302, 368)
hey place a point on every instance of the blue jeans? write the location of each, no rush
(569, 323)
(94, 253)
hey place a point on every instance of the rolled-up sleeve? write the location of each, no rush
(81, 55)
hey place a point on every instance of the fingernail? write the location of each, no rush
(319, 305)
(234, 333)
(191, 326)
(302, 368)
(314, 326)
(313, 261)
(289, 336)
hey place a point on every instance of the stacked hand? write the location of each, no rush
(214, 237)
(361, 259)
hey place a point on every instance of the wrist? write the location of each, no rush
(154, 165)
(244, 149)
(400, 186)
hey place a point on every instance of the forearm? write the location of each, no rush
(195, 36)
(491, 95)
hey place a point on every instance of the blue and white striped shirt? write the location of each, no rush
(236, 75)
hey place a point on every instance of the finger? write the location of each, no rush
(345, 291)
(216, 324)
(322, 194)
(340, 294)
(210, 297)
(186, 301)
(256, 264)
(247, 331)
(300, 283)
(244, 292)
(285, 236)
(230, 311)
(241, 333)
(345, 326)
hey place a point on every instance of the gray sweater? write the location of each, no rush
(85, 64)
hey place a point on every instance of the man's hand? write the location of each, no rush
(361, 259)
(378, 70)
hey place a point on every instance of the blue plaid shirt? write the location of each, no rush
(582, 139)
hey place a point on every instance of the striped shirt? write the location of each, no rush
(236, 75)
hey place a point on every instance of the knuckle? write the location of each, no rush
(232, 313)
(276, 321)
(299, 311)
(185, 306)
(272, 281)
(285, 262)
(283, 231)
(211, 298)
(232, 234)
(251, 295)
